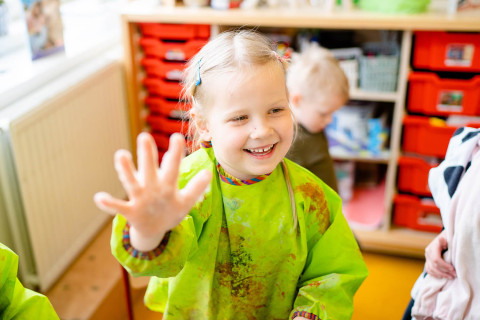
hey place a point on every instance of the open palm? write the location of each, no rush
(155, 203)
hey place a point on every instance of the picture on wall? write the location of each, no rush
(44, 25)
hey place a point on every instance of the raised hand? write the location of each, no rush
(155, 204)
(435, 265)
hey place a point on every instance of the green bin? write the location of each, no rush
(394, 6)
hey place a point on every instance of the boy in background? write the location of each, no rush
(318, 87)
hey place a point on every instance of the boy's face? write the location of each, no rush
(315, 114)
(249, 121)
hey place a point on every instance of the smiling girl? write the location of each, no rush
(234, 230)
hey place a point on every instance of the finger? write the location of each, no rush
(147, 158)
(195, 188)
(173, 157)
(126, 172)
(111, 205)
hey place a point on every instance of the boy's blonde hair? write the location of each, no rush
(230, 52)
(315, 71)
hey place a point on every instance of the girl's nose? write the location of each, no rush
(261, 129)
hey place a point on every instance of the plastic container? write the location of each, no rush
(413, 175)
(379, 66)
(160, 87)
(175, 31)
(170, 70)
(431, 95)
(164, 125)
(394, 6)
(168, 108)
(172, 51)
(447, 51)
(162, 140)
(428, 136)
(415, 213)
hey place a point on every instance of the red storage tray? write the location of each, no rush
(428, 136)
(173, 51)
(169, 108)
(432, 95)
(175, 31)
(161, 124)
(414, 213)
(167, 89)
(413, 175)
(170, 70)
(447, 51)
(162, 140)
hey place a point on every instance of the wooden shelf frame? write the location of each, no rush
(387, 238)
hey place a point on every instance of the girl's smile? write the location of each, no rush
(263, 152)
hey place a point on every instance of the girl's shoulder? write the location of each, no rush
(195, 162)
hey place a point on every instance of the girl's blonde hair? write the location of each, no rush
(231, 51)
(315, 71)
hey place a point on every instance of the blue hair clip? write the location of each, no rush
(199, 80)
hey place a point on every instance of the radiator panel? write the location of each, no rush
(63, 150)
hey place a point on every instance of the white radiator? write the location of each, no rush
(57, 150)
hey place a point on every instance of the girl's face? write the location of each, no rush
(249, 121)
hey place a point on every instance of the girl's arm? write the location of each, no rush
(155, 205)
(435, 265)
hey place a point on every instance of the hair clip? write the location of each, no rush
(199, 80)
(277, 56)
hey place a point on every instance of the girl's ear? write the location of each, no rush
(201, 126)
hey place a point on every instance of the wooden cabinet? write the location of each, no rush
(386, 238)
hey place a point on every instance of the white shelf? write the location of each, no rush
(383, 157)
(358, 94)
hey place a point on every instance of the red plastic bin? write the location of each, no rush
(175, 31)
(161, 124)
(413, 175)
(167, 89)
(170, 70)
(447, 51)
(169, 108)
(414, 213)
(432, 95)
(172, 51)
(161, 140)
(427, 136)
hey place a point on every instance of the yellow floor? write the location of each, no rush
(386, 292)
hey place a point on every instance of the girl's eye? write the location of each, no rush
(276, 110)
(239, 118)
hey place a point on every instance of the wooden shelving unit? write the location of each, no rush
(387, 238)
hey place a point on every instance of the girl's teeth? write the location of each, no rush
(261, 149)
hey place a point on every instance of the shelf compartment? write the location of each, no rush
(413, 175)
(168, 108)
(412, 212)
(172, 51)
(166, 125)
(431, 95)
(445, 51)
(160, 87)
(175, 31)
(170, 70)
(428, 136)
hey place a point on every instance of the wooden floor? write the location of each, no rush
(92, 289)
